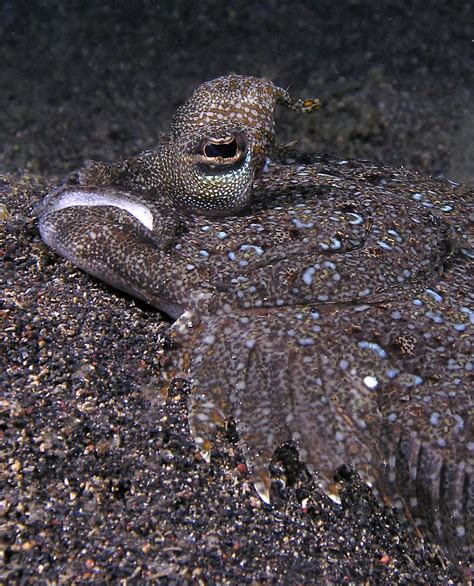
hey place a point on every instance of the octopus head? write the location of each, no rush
(219, 141)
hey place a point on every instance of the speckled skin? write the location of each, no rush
(327, 302)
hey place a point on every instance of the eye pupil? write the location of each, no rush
(223, 150)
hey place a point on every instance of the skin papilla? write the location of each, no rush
(317, 300)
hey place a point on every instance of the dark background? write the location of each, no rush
(101, 79)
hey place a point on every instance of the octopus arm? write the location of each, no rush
(112, 245)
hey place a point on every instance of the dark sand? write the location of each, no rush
(102, 481)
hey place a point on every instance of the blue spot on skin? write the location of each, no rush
(434, 419)
(222, 235)
(394, 233)
(204, 253)
(436, 296)
(469, 313)
(459, 422)
(453, 365)
(384, 245)
(299, 224)
(308, 276)
(250, 247)
(435, 317)
(355, 219)
(327, 264)
(205, 228)
(374, 347)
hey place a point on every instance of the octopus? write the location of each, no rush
(318, 301)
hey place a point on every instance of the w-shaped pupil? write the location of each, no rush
(223, 150)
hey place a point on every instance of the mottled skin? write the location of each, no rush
(327, 302)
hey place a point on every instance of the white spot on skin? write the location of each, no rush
(371, 382)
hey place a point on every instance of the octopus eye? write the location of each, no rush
(222, 150)
(218, 154)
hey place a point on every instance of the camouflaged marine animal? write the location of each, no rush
(325, 302)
